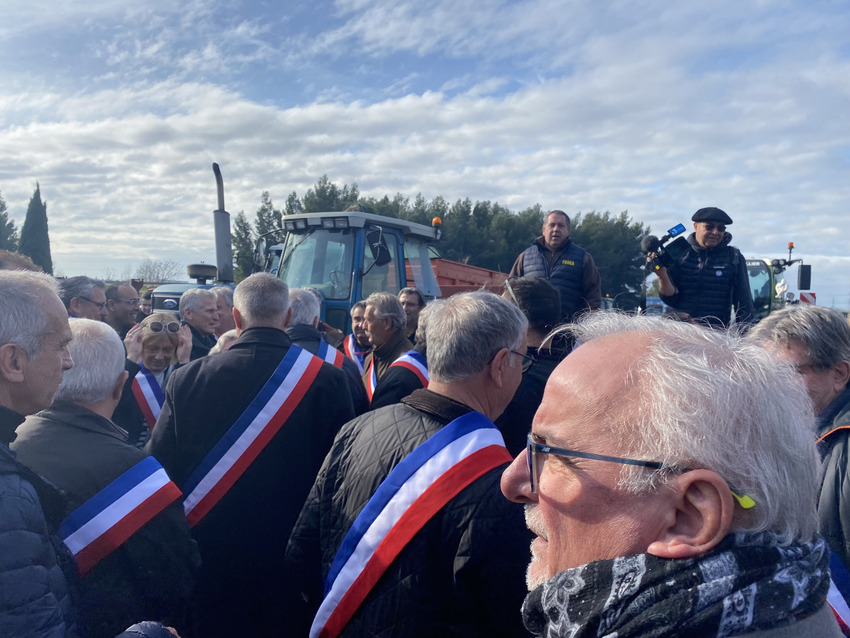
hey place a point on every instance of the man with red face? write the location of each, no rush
(566, 265)
(670, 478)
(711, 279)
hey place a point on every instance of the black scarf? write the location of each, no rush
(748, 583)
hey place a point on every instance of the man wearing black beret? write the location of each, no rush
(711, 279)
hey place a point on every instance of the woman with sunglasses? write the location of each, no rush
(155, 348)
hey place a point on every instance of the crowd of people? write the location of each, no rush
(244, 469)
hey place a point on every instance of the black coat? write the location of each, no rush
(834, 500)
(710, 282)
(462, 574)
(309, 338)
(151, 576)
(242, 539)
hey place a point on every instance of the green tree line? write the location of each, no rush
(33, 240)
(484, 234)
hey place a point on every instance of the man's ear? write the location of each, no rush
(288, 318)
(237, 320)
(498, 366)
(74, 306)
(12, 362)
(840, 375)
(699, 516)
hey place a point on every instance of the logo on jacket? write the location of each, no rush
(568, 262)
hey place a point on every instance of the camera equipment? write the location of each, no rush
(665, 256)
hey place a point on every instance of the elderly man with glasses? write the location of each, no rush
(444, 553)
(670, 478)
(710, 280)
(816, 341)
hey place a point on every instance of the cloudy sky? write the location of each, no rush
(118, 108)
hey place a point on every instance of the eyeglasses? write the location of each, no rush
(99, 305)
(534, 452)
(527, 359)
(158, 326)
(132, 302)
(803, 368)
(712, 227)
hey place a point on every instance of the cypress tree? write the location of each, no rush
(35, 242)
(8, 232)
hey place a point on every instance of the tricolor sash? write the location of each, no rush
(416, 363)
(148, 395)
(105, 521)
(372, 377)
(250, 434)
(330, 354)
(414, 491)
(354, 352)
(839, 591)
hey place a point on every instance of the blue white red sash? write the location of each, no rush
(354, 352)
(102, 524)
(148, 395)
(416, 489)
(839, 591)
(250, 434)
(416, 363)
(330, 354)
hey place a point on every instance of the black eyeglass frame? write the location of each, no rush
(92, 301)
(533, 448)
(528, 360)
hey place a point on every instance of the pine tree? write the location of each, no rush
(242, 239)
(8, 232)
(35, 241)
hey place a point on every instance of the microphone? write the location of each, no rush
(649, 244)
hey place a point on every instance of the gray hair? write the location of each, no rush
(358, 304)
(225, 292)
(422, 326)
(410, 290)
(717, 401)
(22, 322)
(305, 306)
(387, 306)
(261, 299)
(225, 341)
(823, 332)
(98, 356)
(193, 299)
(471, 328)
(81, 286)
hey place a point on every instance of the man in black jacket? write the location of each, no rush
(454, 553)
(567, 266)
(243, 434)
(73, 443)
(711, 279)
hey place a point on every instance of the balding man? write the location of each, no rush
(147, 570)
(84, 297)
(122, 303)
(34, 338)
(670, 478)
(243, 434)
(444, 553)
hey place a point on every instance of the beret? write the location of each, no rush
(711, 214)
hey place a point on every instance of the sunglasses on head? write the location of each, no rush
(158, 326)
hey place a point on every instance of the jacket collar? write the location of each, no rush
(77, 416)
(839, 404)
(9, 421)
(390, 346)
(270, 336)
(540, 242)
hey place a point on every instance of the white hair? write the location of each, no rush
(22, 321)
(261, 299)
(717, 401)
(387, 306)
(305, 306)
(467, 330)
(98, 356)
(193, 298)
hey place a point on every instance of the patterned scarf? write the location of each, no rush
(748, 583)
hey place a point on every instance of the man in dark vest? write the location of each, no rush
(711, 279)
(566, 265)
